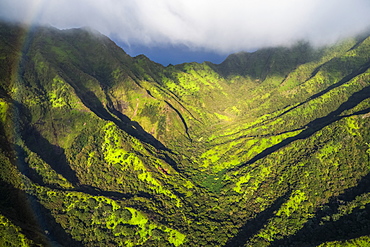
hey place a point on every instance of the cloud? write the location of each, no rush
(215, 25)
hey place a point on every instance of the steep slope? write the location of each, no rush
(269, 148)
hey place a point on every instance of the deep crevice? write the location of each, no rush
(91, 101)
(182, 119)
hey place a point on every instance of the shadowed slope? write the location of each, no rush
(318, 124)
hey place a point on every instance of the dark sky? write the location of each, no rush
(173, 54)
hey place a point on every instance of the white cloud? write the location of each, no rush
(219, 25)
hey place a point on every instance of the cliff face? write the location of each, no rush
(99, 148)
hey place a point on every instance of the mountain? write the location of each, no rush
(98, 148)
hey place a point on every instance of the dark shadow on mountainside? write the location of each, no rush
(317, 124)
(35, 221)
(251, 227)
(344, 80)
(319, 229)
(51, 154)
(91, 101)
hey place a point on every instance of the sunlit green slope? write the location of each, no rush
(269, 148)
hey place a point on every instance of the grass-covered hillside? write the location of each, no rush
(98, 148)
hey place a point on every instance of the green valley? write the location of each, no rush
(97, 148)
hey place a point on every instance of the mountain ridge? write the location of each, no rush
(123, 151)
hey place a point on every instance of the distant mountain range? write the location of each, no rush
(97, 148)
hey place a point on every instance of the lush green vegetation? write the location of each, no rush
(270, 148)
(10, 235)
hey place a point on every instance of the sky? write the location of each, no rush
(176, 31)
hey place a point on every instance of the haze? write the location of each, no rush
(209, 26)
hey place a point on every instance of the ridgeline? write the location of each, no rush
(98, 148)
